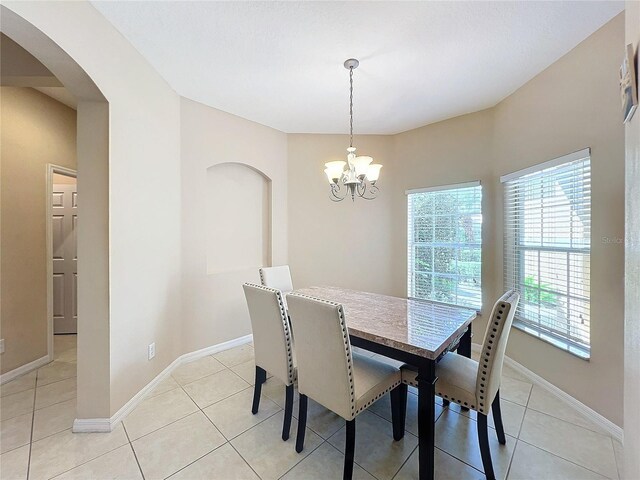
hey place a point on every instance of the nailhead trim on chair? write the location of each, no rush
(261, 277)
(285, 326)
(347, 345)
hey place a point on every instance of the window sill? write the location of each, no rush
(569, 347)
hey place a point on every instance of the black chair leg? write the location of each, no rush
(261, 377)
(288, 412)
(399, 410)
(497, 419)
(302, 422)
(445, 403)
(485, 452)
(349, 449)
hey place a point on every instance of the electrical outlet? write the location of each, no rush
(152, 350)
(2, 346)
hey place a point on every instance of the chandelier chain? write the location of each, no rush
(351, 106)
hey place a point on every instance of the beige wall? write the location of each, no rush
(36, 130)
(214, 308)
(345, 244)
(632, 261)
(572, 105)
(139, 301)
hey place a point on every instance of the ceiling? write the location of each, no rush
(280, 63)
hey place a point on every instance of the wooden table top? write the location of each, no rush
(418, 327)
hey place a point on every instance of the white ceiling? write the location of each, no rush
(280, 63)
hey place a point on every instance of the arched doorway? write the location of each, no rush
(93, 376)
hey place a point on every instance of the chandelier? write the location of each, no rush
(358, 175)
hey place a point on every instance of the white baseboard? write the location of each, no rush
(91, 425)
(7, 377)
(82, 425)
(606, 425)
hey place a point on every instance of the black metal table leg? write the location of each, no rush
(465, 343)
(426, 419)
(464, 349)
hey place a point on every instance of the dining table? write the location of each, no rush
(414, 331)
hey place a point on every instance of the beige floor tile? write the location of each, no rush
(63, 343)
(224, 463)
(15, 432)
(618, 449)
(376, 451)
(571, 442)
(156, 412)
(446, 468)
(63, 451)
(323, 463)
(20, 384)
(16, 404)
(55, 392)
(14, 464)
(247, 371)
(216, 387)
(165, 451)
(514, 390)
(192, 371)
(544, 402)
(119, 464)
(511, 372)
(55, 371)
(69, 356)
(54, 419)
(275, 390)
(512, 416)
(457, 435)
(320, 419)
(263, 449)
(235, 356)
(164, 386)
(232, 416)
(531, 463)
(383, 408)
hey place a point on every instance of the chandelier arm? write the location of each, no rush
(372, 193)
(334, 194)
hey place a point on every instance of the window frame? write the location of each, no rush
(411, 244)
(515, 247)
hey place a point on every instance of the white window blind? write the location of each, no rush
(547, 245)
(445, 244)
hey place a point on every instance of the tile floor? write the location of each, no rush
(197, 424)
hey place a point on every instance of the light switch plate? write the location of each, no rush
(152, 350)
(2, 345)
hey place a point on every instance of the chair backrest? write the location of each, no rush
(323, 353)
(493, 348)
(271, 331)
(277, 277)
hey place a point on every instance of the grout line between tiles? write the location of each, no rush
(301, 459)
(405, 462)
(33, 415)
(565, 459)
(133, 450)
(599, 432)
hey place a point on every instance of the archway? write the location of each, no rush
(93, 376)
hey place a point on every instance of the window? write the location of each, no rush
(547, 245)
(444, 244)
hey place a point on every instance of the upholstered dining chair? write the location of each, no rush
(476, 385)
(334, 376)
(272, 344)
(277, 277)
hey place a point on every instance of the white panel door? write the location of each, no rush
(65, 261)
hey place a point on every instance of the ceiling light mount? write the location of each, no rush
(358, 175)
(351, 63)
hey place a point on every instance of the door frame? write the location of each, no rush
(51, 169)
